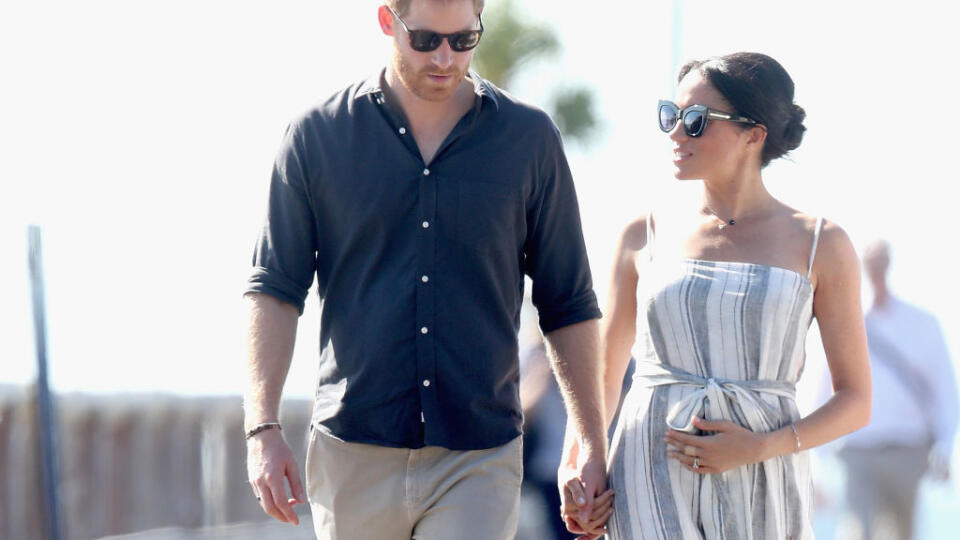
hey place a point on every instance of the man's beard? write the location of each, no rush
(419, 83)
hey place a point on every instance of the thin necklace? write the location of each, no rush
(723, 222)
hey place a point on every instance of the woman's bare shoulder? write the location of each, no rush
(836, 247)
(835, 256)
(633, 238)
(831, 236)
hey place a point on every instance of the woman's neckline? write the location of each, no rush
(743, 263)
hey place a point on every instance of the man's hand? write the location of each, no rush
(269, 462)
(586, 507)
(938, 463)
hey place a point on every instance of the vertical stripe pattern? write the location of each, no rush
(725, 341)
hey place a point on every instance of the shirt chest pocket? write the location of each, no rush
(488, 215)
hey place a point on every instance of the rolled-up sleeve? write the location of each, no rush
(556, 257)
(285, 257)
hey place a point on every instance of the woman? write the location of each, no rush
(709, 442)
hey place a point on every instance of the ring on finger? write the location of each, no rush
(696, 463)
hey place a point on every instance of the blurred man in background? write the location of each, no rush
(914, 417)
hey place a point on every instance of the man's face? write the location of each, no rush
(433, 75)
(876, 262)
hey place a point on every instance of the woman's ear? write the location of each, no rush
(757, 135)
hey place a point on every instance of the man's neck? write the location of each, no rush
(881, 297)
(423, 112)
(430, 121)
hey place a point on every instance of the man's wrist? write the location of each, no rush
(593, 447)
(261, 427)
(255, 414)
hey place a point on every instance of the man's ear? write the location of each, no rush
(385, 18)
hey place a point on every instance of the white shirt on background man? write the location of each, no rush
(900, 416)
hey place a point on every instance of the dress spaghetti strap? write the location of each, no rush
(816, 240)
(650, 235)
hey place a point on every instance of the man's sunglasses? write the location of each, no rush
(694, 117)
(428, 40)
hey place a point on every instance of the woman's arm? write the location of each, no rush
(836, 305)
(619, 327)
(618, 330)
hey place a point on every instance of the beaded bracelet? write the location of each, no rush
(263, 427)
(797, 435)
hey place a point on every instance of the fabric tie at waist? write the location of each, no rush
(715, 389)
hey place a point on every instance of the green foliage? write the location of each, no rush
(573, 113)
(509, 43)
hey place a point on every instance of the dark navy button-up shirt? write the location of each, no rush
(421, 266)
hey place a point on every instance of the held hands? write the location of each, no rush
(594, 525)
(269, 462)
(586, 507)
(729, 446)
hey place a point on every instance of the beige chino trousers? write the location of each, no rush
(361, 491)
(882, 488)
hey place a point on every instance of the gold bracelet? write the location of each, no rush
(263, 427)
(797, 435)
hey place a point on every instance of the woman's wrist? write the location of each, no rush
(777, 443)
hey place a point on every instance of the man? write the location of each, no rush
(419, 199)
(914, 418)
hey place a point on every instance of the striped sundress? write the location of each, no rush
(723, 341)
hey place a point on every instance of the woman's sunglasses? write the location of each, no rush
(694, 117)
(428, 40)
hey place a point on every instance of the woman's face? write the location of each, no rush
(721, 150)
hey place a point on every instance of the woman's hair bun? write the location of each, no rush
(793, 131)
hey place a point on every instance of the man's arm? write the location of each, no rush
(576, 362)
(556, 261)
(271, 334)
(943, 381)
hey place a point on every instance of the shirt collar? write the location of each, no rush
(373, 85)
(483, 88)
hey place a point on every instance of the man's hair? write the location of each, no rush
(402, 7)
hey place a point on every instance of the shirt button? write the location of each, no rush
(425, 278)
(426, 224)
(426, 172)
(403, 131)
(424, 330)
(426, 382)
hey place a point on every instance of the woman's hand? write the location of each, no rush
(729, 446)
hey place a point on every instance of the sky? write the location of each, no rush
(140, 136)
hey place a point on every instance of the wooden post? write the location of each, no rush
(45, 409)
